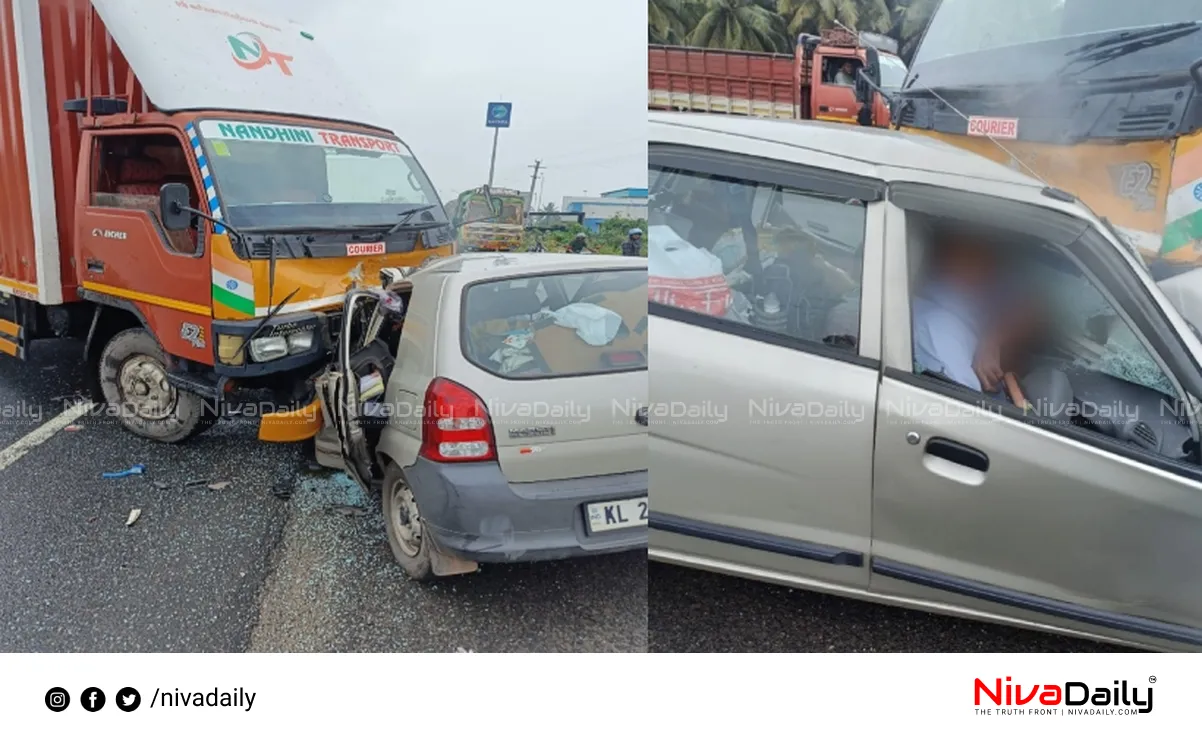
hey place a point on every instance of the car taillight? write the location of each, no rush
(455, 425)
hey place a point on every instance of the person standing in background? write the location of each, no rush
(634, 243)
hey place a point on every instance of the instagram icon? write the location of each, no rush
(57, 699)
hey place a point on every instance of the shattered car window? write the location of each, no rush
(1123, 355)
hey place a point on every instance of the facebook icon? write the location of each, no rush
(92, 699)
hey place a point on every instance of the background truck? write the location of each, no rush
(804, 85)
(177, 196)
(1101, 98)
(489, 219)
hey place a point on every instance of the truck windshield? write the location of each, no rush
(270, 175)
(1033, 36)
(893, 72)
(511, 211)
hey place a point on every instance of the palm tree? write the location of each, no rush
(669, 21)
(815, 16)
(753, 25)
(912, 17)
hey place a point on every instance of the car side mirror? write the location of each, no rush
(173, 205)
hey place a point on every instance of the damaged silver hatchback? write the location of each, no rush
(498, 404)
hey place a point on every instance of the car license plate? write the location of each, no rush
(617, 514)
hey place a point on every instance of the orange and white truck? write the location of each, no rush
(190, 188)
(815, 82)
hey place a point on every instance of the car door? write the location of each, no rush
(339, 387)
(979, 507)
(761, 418)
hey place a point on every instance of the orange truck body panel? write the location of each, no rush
(64, 24)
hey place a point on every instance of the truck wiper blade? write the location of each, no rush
(1123, 37)
(1124, 43)
(405, 216)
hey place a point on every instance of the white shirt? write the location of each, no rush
(945, 335)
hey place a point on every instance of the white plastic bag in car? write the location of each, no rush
(683, 275)
(594, 324)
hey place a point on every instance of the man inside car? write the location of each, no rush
(967, 317)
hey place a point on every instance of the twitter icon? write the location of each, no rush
(128, 699)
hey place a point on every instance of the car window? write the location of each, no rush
(557, 325)
(756, 253)
(1016, 319)
(1085, 314)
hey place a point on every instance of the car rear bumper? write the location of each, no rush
(473, 512)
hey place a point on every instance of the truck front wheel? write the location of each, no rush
(133, 377)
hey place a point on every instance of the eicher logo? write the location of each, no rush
(1068, 698)
(252, 54)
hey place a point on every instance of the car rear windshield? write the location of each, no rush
(557, 325)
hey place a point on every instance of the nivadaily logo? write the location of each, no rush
(252, 54)
(1069, 698)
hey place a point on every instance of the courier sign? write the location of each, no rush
(252, 54)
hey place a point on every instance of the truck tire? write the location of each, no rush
(133, 378)
(406, 536)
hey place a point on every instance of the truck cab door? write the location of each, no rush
(834, 101)
(124, 256)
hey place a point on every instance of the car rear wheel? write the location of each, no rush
(406, 533)
(133, 378)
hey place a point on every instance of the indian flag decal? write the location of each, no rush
(1183, 212)
(233, 285)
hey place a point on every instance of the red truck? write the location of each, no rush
(190, 188)
(815, 82)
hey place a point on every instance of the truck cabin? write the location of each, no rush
(1133, 65)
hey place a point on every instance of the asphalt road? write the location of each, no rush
(693, 611)
(225, 565)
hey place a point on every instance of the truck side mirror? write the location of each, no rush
(868, 80)
(863, 89)
(173, 204)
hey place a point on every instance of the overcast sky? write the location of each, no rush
(575, 70)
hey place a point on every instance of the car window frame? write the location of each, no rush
(1086, 247)
(824, 182)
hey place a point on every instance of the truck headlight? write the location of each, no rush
(268, 349)
(300, 342)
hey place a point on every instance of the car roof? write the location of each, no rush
(472, 266)
(872, 151)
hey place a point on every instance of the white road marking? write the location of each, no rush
(42, 433)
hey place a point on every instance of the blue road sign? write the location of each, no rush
(498, 115)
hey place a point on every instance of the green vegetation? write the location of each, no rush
(607, 239)
(772, 25)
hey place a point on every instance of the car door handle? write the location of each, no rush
(824, 108)
(957, 453)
